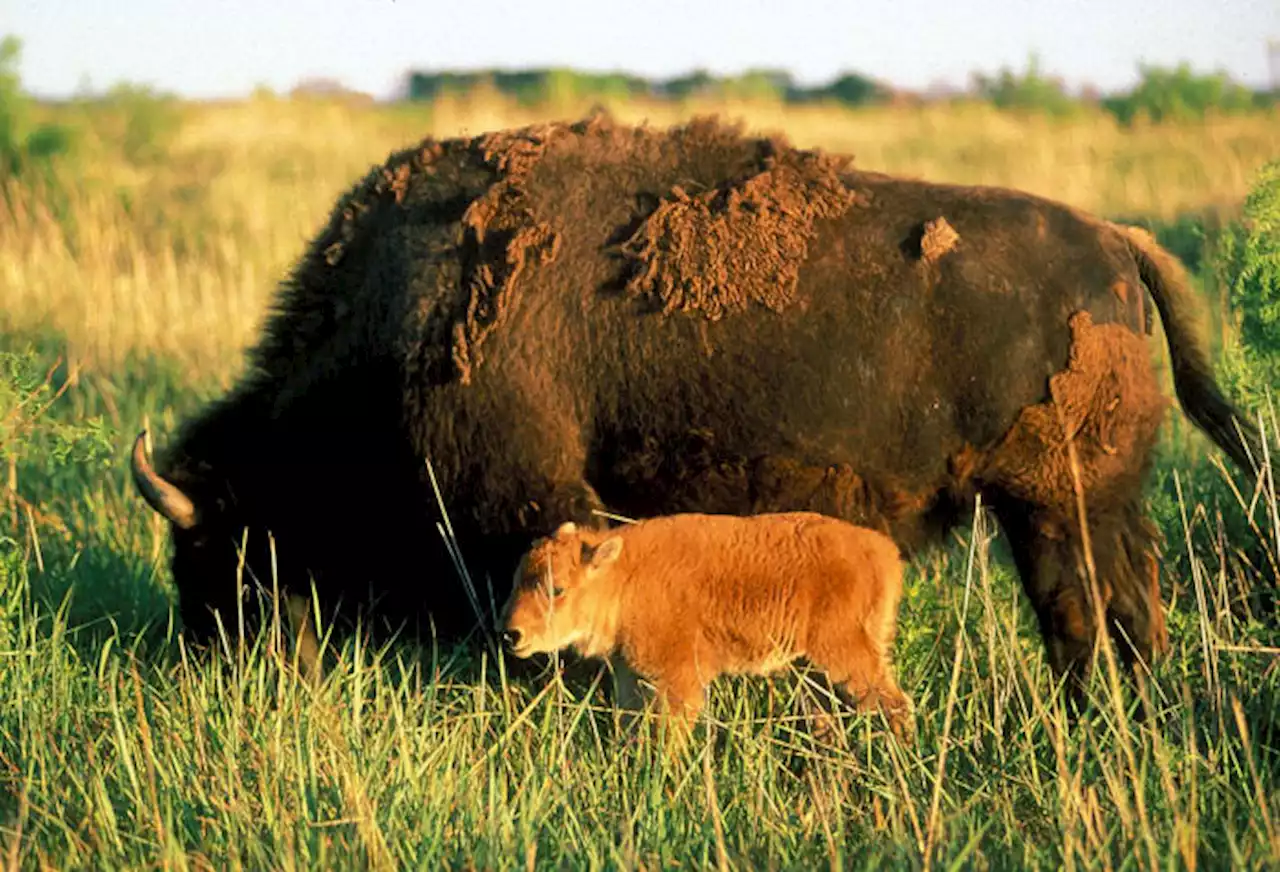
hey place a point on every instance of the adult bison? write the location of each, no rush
(573, 317)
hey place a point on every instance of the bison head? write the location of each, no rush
(207, 532)
(560, 595)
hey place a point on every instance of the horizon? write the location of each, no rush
(917, 45)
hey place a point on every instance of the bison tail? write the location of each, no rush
(1193, 380)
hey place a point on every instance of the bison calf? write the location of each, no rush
(682, 599)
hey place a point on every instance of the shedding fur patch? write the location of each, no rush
(1111, 407)
(938, 238)
(719, 251)
(501, 235)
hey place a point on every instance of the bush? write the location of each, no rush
(23, 147)
(1248, 265)
(1027, 92)
(42, 446)
(854, 89)
(42, 442)
(1178, 94)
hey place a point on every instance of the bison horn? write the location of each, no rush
(161, 495)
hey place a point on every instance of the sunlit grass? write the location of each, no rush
(124, 750)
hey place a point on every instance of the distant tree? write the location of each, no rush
(757, 84)
(426, 87)
(1031, 91)
(1178, 94)
(695, 84)
(855, 89)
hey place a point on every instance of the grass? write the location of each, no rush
(118, 749)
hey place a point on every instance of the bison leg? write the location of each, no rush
(1050, 563)
(852, 646)
(1065, 482)
(1135, 613)
(308, 645)
(867, 694)
(628, 697)
(1051, 559)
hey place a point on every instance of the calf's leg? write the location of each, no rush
(858, 667)
(681, 694)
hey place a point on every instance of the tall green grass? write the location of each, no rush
(121, 749)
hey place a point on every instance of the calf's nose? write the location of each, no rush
(511, 638)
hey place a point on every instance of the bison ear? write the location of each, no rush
(606, 552)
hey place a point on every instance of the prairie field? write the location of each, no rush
(133, 278)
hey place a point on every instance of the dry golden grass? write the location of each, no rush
(180, 257)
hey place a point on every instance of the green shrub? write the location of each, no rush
(41, 445)
(29, 434)
(1026, 92)
(855, 89)
(1248, 265)
(24, 147)
(1178, 94)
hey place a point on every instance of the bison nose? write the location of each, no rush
(511, 638)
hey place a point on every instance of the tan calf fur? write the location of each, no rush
(682, 599)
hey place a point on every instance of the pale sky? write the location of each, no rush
(213, 48)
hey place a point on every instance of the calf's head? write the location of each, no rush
(556, 594)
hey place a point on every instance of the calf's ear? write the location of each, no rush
(606, 552)
(568, 528)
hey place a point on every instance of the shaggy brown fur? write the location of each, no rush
(741, 243)
(537, 315)
(682, 599)
(502, 232)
